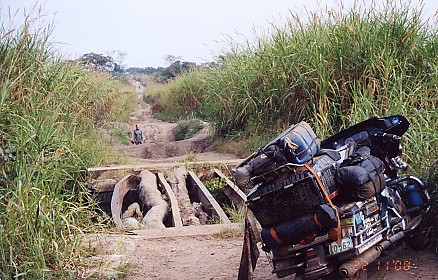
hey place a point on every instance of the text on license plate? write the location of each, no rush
(335, 248)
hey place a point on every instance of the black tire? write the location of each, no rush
(420, 239)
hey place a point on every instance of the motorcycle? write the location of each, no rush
(328, 209)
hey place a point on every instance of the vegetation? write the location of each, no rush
(185, 129)
(333, 70)
(236, 213)
(50, 110)
(164, 74)
(216, 187)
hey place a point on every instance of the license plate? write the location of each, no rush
(335, 248)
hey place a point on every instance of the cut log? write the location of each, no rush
(151, 200)
(106, 185)
(133, 211)
(202, 216)
(178, 184)
(122, 187)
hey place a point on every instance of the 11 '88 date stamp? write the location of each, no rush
(388, 265)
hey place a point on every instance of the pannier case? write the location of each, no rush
(296, 145)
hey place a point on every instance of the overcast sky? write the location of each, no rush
(148, 30)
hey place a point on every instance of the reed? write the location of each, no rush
(50, 110)
(333, 69)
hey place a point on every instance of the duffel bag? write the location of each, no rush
(323, 218)
(360, 176)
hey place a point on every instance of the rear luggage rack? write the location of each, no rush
(274, 174)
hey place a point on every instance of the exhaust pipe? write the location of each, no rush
(349, 268)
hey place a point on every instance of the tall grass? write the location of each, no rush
(49, 113)
(333, 69)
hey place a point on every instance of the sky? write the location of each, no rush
(149, 30)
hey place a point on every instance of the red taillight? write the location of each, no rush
(310, 254)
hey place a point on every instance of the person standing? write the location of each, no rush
(138, 135)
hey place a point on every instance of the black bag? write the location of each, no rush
(360, 176)
(324, 217)
(266, 159)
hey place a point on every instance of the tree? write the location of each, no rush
(172, 58)
(118, 57)
(98, 61)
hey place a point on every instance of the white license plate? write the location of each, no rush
(346, 245)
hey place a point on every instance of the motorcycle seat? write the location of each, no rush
(333, 154)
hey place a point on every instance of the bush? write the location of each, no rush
(186, 129)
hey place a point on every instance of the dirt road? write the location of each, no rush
(159, 145)
(204, 252)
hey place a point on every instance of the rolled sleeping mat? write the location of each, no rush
(276, 236)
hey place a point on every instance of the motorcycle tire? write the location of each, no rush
(420, 239)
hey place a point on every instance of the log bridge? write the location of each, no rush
(149, 200)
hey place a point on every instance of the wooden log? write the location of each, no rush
(235, 194)
(106, 185)
(176, 216)
(120, 189)
(151, 198)
(177, 180)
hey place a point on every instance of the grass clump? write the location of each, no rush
(50, 110)
(236, 213)
(216, 187)
(120, 134)
(186, 129)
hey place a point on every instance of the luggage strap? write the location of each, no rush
(327, 197)
(275, 236)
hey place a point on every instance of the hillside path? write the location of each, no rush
(159, 145)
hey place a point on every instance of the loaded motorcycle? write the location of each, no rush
(329, 208)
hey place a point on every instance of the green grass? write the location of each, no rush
(332, 70)
(236, 213)
(50, 111)
(186, 129)
(216, 187)
(120, 134)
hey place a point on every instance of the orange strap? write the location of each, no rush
(275, 236)
(315, 218)
(327, 197)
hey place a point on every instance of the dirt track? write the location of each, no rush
(203, 252)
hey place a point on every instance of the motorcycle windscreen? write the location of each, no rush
(362, 132)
